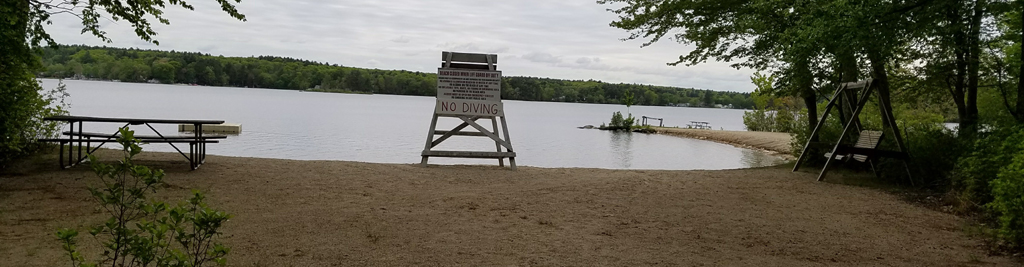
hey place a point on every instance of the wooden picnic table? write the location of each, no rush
(700, 125)
(77, 137)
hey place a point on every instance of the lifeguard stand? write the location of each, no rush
(469, 89)
(851, 97)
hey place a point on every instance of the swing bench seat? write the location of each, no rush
(865, 147)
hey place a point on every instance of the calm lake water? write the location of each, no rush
(392, 129)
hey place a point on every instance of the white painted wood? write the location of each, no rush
(469, 107)
(459, 133)
(483, 130)
(462, 84)
(504, 127)
(430, 139)
(469, 95)
(497, 146)
(469, 57)
(449, 134)
(469, 154)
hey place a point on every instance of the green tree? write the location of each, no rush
(21, 103)
(163, 71)
(627, 99)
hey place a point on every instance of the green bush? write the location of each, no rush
(775, 120)
(144, 232)
(991, 178)
(974, 172)
(934, 153)
(1008, 200)
(23, 105)
(619, 123)
(827, 135)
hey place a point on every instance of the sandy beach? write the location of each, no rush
(776, 143)
(337, 213)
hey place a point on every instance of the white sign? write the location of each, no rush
(469, 107)
(478, 85)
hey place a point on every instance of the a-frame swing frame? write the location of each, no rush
(851, 97)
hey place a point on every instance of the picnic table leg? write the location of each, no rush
(202, 157)
(80, 159)
(192, 155)
(60, 160)
(202, 147)
(70, 147)
(198, 146)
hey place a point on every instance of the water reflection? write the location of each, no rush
(621, 144)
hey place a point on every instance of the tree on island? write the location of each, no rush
(22, 105)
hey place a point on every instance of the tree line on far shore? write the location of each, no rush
(135, 65)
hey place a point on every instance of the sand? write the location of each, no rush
(776, 143)
(336, 213)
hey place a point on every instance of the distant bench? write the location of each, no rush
(197, 141)
(699, 125)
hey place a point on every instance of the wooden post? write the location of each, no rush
(817, 128)
(430, 139)
(846, 128)
(497, 146)
(511, 160)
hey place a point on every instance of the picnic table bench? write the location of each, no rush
(76, 137)
(700, 125)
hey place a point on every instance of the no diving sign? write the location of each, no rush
(469, 92)
(469, 107)
(468, 84)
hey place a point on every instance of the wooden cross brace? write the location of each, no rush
(470, 121)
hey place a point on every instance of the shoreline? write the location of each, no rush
(319, 213)
(778, 144)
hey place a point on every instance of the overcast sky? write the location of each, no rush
(564, 39)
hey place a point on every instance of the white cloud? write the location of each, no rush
(541, 58)
(401, 39)
(568, 39)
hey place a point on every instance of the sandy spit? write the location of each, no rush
(777, 143)
(336, 213)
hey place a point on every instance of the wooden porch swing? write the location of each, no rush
(851, 97)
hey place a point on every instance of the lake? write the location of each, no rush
(392, 129)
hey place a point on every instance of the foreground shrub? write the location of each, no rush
(23, 105)
(990, 179)
(1008, 200)
(988, 155)
(934, 152)
(143, 232)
